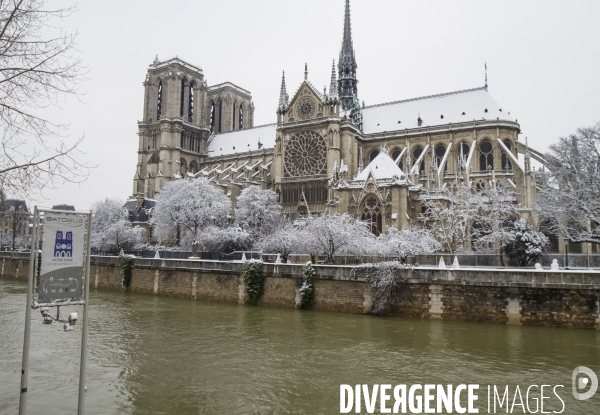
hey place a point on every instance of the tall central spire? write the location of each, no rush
(347, 82)
(347, 40)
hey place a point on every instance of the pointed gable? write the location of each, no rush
(307, 103)
(382, 167)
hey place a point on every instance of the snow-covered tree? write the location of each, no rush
(185, 207)
(284, 240)
(570, 191)
(332, 233)
(526, 245)
(411, 240)
(257, 211)
(493, 218)
(449, 213)
(111, 227)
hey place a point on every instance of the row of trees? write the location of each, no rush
(484, 220)
(191, 212)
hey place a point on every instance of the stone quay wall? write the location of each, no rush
(564, 298)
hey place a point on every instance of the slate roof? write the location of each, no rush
(141, 214)
(472, 102)
(243, 140)
(64, 207)
(17, 204)
(382, 167)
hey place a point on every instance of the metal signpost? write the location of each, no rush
(64, 279)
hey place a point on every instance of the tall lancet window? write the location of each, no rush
(191, 102)
(416, 154)
(212, 118)
(506, 164)
(241, 117)
(159, 101)
(220, 115)
(233, 118)
(182, 99)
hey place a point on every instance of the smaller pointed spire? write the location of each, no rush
(156, 61)
(283, 96)
(333, 92)
(486, 84)
(306, 72)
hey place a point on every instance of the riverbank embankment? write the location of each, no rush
(562, 298)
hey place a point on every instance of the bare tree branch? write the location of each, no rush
(35, 73)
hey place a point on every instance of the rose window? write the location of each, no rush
(305, 108)
(305, 155)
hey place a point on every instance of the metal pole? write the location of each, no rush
(25, 362)
(81, 404)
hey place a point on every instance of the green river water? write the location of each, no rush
(156, 355)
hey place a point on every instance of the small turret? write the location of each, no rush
(333, 87)
(283, 96)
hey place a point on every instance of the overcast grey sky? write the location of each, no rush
(543, 62)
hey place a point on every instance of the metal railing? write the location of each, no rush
(570, 261)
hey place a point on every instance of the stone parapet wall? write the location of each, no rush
(500, 296)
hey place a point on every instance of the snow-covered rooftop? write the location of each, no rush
(453, 107)
(382, 167)
(241, 141)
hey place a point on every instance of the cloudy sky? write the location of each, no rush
(543, 62)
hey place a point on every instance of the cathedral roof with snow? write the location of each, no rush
(452, 107)
(240, 141)
(382, 167)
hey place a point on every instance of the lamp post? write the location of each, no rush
(330, 259)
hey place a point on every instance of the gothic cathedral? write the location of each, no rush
(326, 151)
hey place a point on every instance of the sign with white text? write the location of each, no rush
(61, 272)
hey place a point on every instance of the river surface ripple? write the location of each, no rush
(157, 355)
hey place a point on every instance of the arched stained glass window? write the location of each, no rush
(212, 117)
(395, 154)
(159, 101)
(374, 154)
(241, 117)
(440, 151)
(486, 156)
(371, 213)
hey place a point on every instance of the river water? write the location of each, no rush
(156, 355)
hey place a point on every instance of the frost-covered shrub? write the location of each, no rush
(254, 280)
(307, 291)
(386, 283)
(526, 244)
(227, 239)
(125, 262)
(285, 239)
(411, 240)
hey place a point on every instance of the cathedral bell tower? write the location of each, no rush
(172, 135)
(347, 82)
